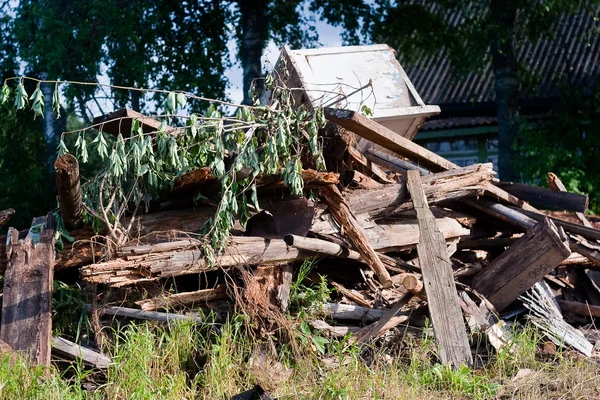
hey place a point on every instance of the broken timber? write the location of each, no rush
(526, 262)
(546, 198)
(185, 299)
(6, 215)
(27, 295)
(442, 297)
(555, 183)
(355, 234)
(74, 351)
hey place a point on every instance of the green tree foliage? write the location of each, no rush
(568, 144)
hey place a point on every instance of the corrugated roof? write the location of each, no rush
(573, 53)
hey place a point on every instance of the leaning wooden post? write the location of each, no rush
(69, 190)
(440, 289)
(355, 234)
(27, 299)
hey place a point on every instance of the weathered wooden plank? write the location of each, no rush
(149, 315)
(66, 170)
(65, 347)
(555, 183)
(442, 297)
(438, 187)
(184, 299)
(385, 137)
(392, 318)
(27, 296)
(351, 313)
(546, 198)
(353, 232)
(523, 264)
(335, 331)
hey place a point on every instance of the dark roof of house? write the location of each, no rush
(573, 53)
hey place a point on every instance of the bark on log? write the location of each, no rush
(526, 262)
(442, 297)
(70, 203)
(355, 234)
(27, 296)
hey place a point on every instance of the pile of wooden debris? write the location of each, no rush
(430, 240)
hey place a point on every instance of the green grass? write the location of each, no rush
(185, 362)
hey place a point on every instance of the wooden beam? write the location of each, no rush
(392, 318)
(555, 183)
(436, 268)
(378, 134)
(149, 315)
(353, 232)
(351, 313)
(120, 121)
(66, 348)
(546, 198)
(27, 296)
(523, 264)
(70, 203)
(574, 307)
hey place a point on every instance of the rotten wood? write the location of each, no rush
(6, 215)
(458, 183)
(184, 299)
(358, 161)
(356, 180)
(66, 348)
(353, 232)
(68, 188)
(436, 267)
(523, 264)
(545, 314)
(392, 318)
(353, 295)
(27, 296)
(334, 331)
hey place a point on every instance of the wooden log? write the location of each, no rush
(352, 295)
(555, 183)
(6, 215)
(438, 187)
(385, 137)
(184, 299)
(545, 314)
(356, 160)
(334, 331)
(357, 180)
(414, 286)
(355, 234)
(588, 233)
(397, 235)
(151, 266)
(442, 297)
(351, 313)
(546, 198)
(587, 310)
(66, 348)
(526, 262)
(392, 318)
(27, 296)
(70, 202)
(148, 315)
